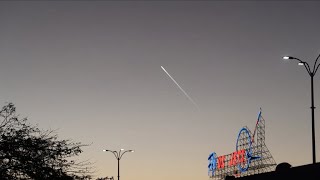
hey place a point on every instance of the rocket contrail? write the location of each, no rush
(185, 93)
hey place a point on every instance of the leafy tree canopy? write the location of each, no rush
(26, 152)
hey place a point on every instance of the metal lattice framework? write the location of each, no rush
(258, 158)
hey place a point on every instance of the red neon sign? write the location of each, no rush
(236, 158)
(221, 162)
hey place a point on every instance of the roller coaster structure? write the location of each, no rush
(251, 156)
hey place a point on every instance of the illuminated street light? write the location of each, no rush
(118, 156)
(286, 57)
(312, 74)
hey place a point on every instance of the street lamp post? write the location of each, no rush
(312, 73)
(118, 156)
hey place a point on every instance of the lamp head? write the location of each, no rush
(301, 63)
(287, 57)
(105, 150)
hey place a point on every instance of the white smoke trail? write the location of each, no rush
(185, 93)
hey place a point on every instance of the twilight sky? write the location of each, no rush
(92, 70)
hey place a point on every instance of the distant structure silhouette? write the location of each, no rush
(286, 172)
(283, 166)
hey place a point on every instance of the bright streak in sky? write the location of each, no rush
(184, 92)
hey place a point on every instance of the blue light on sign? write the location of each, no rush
(212, 163)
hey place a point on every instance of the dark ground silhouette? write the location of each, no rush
(286, 171)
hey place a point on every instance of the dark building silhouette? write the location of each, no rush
(285, 171)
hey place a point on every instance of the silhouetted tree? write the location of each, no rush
(26, 152)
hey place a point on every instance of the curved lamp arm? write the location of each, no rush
(125, 152)
(316, 69)
(305, 64)
(315, 64)
(115, 153)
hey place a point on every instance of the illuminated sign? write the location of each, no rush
(247, 152)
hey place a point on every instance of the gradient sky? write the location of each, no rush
(92, 70)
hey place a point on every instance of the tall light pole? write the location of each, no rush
(312, 72)
(118, 155)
